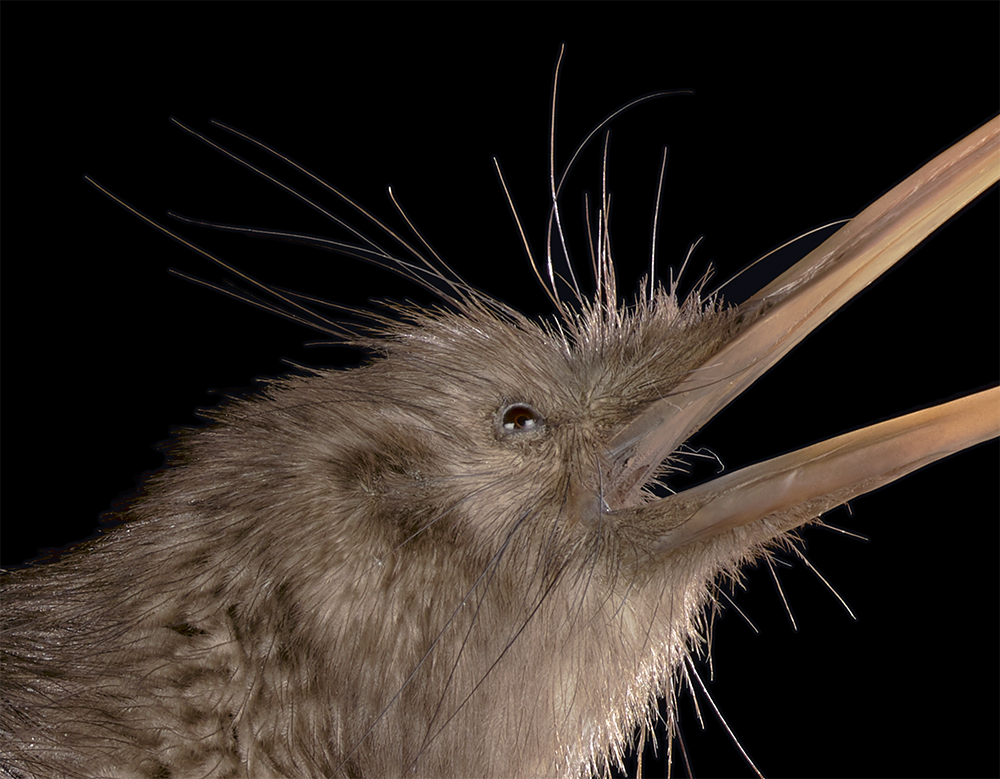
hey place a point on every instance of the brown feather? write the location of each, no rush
(420, 461)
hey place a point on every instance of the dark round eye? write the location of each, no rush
(520, 418)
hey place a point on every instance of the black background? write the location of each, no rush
(803, 114)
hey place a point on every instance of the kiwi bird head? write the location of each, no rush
(461, 558)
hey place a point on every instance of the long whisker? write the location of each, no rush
(722, 720)
(323, 324)
(656, 222)
(823, 579)
(456, 283)
(769, 560)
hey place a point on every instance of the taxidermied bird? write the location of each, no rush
(455, 559)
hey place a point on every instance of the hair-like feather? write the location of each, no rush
(423, 421)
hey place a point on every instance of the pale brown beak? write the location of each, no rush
(812, 480)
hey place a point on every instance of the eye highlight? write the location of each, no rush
(520, 418)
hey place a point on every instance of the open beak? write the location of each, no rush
(803, 484)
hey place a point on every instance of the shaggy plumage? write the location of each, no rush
(449, 561)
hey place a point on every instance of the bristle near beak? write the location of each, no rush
(803, 484)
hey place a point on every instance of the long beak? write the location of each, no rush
(782, 314)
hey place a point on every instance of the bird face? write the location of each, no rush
(486, 574)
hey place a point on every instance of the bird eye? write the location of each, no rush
(520, 418)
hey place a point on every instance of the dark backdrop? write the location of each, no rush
(803, 114)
